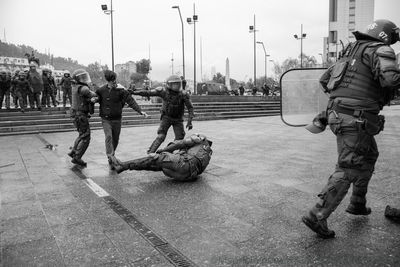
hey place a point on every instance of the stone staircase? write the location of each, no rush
(57, 119)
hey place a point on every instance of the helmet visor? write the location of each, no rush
(84, 78)
(175, 86)
(396, 33)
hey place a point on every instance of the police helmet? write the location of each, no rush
(3, 71)
(66, 73)
(174, 83)
(46, 70)
(384, 31)
(33, 64)
(81, 76)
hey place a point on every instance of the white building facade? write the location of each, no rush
(346, 16)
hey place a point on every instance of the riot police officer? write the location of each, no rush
(81, 99)
(173, 107)
(66, 85)
(36, 83)
(191, 159)
(5, 86)
(359, 85)
(21, 89)
(48, 88)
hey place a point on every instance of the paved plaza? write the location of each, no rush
(244, 210)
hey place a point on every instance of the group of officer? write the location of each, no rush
(183, 159)
(359, 85)
(31, 87)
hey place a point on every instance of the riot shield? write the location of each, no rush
(302, 97)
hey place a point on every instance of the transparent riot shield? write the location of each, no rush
(302, 97)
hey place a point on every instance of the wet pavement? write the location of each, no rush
(244, 210)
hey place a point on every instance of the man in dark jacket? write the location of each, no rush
(173, 108)
(48, 88)
(112, 99)
(359, 85)
(191, 157)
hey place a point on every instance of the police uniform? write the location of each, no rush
(5, 86)
(21, 89)
(172, 111)
(36, 83)
(190, 159)
(48, 91)
(66, 85)
(359, 85)
(81, 95)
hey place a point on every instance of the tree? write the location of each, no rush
(143, 66)
(218, 78)
(291, 63)
(95, 71)
(138, 79)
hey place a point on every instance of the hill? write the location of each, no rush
(59, 63)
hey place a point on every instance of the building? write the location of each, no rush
(13, 63)
(346, 16)
(130, 66)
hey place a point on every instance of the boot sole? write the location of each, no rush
(311, 225)
(368, 212)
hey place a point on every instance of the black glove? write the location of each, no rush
(189, 125)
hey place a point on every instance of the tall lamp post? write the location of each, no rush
(252, 29)
(302, 36)
(183, 41)
(190, 21)
(265, 61)
(110, 12)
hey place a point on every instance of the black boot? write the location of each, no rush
(358, 209)
(392, 213)
(79, 161)
(71, 153)
(318, 226)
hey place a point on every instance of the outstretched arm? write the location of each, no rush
(154, 92)
(190, 109)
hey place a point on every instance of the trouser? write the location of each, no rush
(34, 97)
(357, 155)
(162, 131)
(5, 93)
(47, 94)
(172, 165)
(112, 130)
(81, 122)
(21, 98)
(67, 94)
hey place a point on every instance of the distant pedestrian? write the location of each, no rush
(5, 87)
(241, 89)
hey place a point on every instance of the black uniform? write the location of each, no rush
(5, 86)
(66, 86)
(48, 91)
(172, 111)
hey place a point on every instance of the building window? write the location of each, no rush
(333, 37)
(332, 10)
(332, 54)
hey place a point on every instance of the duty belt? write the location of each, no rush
(352, 112)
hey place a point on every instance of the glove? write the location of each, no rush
(189, 125)
(94, 99)
(145, 115)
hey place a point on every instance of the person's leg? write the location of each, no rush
(2, 93)
(161, 135)
(8, 92)
(179, 130)
(116, 129)
(64, 97)
(108, 134)
(83, 140)
(70, 96)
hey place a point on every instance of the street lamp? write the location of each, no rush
(252, 29)
(265, 60)
(110, 12)
(190, 21)
(302, 36)
(183, 41)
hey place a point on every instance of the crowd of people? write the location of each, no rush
(33, 88)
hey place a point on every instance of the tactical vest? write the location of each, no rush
(79, 103)
(358, 81)
(173, 105)
(67, 82)
(202, 152)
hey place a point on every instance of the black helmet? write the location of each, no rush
(66, 73)
(81, 76)
(174, 83)
(384, 31)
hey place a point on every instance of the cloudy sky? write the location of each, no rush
(80, 30)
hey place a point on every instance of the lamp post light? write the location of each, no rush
(190, 21)
(110, 12)
(252, 29)
(183, 42)
(302, 36)
(265, 61)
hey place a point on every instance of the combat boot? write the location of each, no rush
(123, 166)
(318, 226)
(392, 213)
(358, 209)
(71, 153)
(79, 162)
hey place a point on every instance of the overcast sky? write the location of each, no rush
(80, 30)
